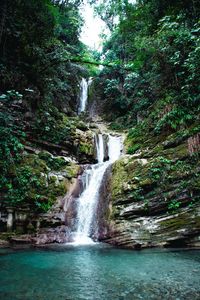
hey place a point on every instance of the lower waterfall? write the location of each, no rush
(92, 179)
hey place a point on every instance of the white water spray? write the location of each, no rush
(87, 203)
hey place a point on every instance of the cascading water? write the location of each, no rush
(84, 85)
(83, 95)
(87, 202)
(100, 147)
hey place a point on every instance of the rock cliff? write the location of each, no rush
(152, 197)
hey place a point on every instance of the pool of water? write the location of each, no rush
(98, 272)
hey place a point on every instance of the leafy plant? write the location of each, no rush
(52, 125)
(133, 149)
(174, 205)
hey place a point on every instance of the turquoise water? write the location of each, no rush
(99, 272)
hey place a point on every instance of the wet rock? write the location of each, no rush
(47, 236)
(22, 239)
(4, 243)
(84, 145)
(44, 236)
(143, 204)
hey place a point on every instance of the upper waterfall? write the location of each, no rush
(84, 86)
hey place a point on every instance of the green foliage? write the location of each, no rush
(22, 180)
(34, 62)
(137, 195)
(25, 184)
(52, 125)
(159, 42)
(19, 184)
(174, 119)
(137, 131)
(116, 126)
(146, 205)
(161, 169)
(10, 96)
(37, 37)
(11, 138)
(174, 205)
(133, 149)
(54, 163)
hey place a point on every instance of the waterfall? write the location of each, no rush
(88, 200)
(84, 85)
(100, 147)
(83, 95)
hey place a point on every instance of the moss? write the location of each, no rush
(146, 182)
(82, 126)
(41, 192)
(179, 222)
(119, 177)
(30, 228)
(54, 163)
(179, 152)
(86, 148)
(195, 183)
(35, 162)
(133, 165)
(133, 149)
(166, 178)
(130, 175)
(53, 179)
(5, 236)
(56, 190)
(156, 151)
(32, 187)
(72, 170)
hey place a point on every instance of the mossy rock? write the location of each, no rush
(72, 171)
(30, 228)
(119, 176)
(134, 165)
(179, 152)
(86, 148)
(146, 182)
(180, 221)
(195, 184)
(35, 162)
(82, 126)
(54, 163)
(45, 155)
(133, 149)
(53, 179)
(58, 190)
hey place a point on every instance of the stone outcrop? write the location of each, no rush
(152, 200)
(84, 144)
(28, 224)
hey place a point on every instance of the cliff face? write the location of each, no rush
(152, 198)
(50, 171)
